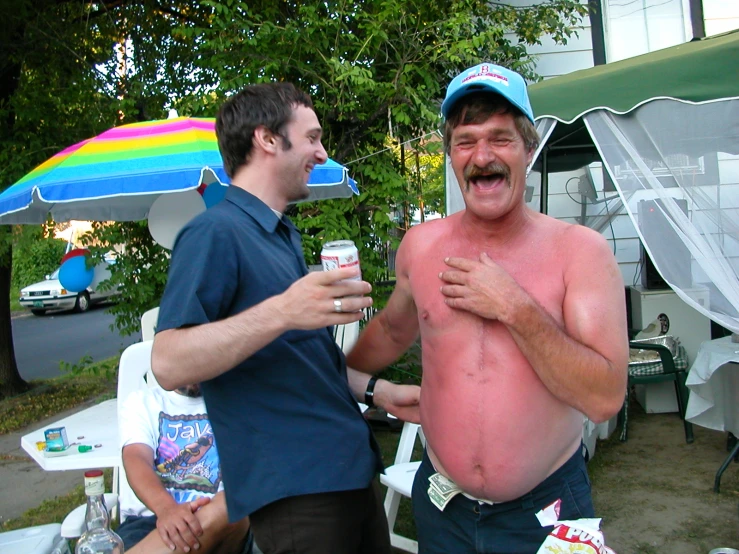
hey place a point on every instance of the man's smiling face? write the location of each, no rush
(489, 160)
(300, 152)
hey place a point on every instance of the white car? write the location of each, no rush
(50, 295)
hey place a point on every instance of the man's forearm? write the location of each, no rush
(195, 354)
(146, 484)
(573, 372)
(357, 383)
(377, 347)
(400, 401)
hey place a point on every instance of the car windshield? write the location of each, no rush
(55, 275)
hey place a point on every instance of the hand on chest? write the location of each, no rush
(500, 278)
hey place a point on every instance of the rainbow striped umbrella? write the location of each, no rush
(117, 175)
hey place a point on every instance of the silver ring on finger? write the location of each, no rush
(337, 306)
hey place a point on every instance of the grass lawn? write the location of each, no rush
(46, 398)
(655, 480)
(54, 510)
(51, 396)
(15, 305)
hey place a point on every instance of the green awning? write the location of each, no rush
(696, 71)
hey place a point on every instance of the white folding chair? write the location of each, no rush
(134, 365)
(148, 330)
(399, 481)
(149, 324)
(346, 335)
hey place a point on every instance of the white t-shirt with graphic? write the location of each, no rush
(176, 427)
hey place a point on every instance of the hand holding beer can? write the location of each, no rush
(340, 254)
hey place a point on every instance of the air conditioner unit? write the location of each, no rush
(674, 164)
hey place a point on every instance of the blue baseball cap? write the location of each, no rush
(489, 77)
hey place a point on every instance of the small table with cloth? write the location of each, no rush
(713, 381)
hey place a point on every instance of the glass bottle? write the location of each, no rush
(98, 538)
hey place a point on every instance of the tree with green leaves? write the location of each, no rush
(66, 75)
(376, 70)
(48, 99)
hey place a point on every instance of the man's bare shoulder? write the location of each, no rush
(572, 234)
(588, 239)
(430, 231)
(419, 240)
(434, 226)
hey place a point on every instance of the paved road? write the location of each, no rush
(41, 342)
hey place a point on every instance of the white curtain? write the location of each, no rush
(676, 167)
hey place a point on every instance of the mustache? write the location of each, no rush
(471, 171)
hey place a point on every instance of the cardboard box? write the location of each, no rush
(56, 439)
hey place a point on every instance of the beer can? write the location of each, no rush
(340, 253)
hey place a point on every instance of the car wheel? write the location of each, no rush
(38, 312)
(82, 304)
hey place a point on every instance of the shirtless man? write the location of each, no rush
(523, 331)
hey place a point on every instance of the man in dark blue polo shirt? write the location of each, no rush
(242, 315)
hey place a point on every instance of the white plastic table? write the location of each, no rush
(98, 425)
(713, 382)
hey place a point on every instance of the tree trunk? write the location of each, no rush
(11, 382)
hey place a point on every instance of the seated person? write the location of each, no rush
(171, 463)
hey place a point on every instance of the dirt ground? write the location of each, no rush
(655, 491)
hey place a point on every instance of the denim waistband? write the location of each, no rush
(572, 464)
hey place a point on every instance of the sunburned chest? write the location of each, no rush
(538, 270)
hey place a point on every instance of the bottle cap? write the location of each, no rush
(94, 482)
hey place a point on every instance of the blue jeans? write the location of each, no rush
(466, 526)
(135, 528)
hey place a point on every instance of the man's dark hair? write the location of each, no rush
(270, 105)
(479, 107)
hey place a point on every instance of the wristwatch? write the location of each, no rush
(369, 394)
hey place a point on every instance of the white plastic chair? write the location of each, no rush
(134, 365)
(41, 539)
(148, 330)
(399, 481)
(149, 324)
(346, 335)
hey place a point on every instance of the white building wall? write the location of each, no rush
(637, 27)
(720, 16)
(556, 59)
(632, 28)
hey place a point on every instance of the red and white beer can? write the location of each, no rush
(340, 253)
